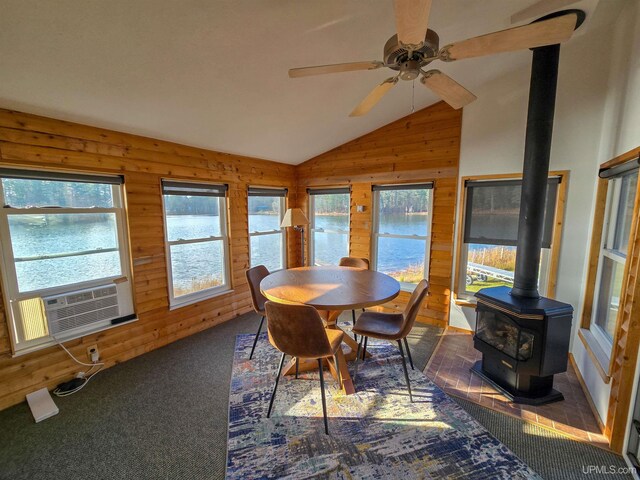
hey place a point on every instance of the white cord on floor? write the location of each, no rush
(59, 393)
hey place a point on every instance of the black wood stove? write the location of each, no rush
(524, 342)
(524, 339)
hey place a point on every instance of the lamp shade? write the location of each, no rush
(294, 217)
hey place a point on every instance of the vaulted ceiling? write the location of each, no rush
(213, 73)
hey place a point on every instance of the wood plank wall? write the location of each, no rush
(37, 142)
(424, 146)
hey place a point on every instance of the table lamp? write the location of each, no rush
(294, 217)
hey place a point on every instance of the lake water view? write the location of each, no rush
(197, 264)
(59, 234)
(402, 258)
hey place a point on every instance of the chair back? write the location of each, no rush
(411, 310)
(254, 277)
(354, 262)
(297, 330)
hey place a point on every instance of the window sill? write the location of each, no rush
(597, 354)
(465, 302)
(197, 299)
(50, 342)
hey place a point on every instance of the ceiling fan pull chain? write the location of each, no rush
(413, 96)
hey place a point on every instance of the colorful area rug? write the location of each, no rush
(375, 434)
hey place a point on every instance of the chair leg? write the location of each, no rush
(353, 316)
(324, 401)
(275, 387)
(404, 367)
(297, 366)
(355, 364)
(255, 340)
(364, 351)
(406, 345)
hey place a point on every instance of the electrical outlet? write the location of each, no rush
(93, 353)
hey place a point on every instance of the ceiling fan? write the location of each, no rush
(415, 46)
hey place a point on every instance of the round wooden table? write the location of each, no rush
(331, 290)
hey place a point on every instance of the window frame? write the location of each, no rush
(10, 287)
(211, 292)
(608, 237)
(281, 231)
(550, 257)
(375, 227)
(311, 193)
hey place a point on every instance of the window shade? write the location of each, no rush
(193, 189)
(328, 191)
(267, 192)
(493, 208)
(60, 176)
(414, 186)
(619, 169)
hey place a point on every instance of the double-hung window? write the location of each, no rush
(196, 240)
(266, 239)
(402, 231)
(65, 259)
(490, 234)
(621, 194)
(329, 218)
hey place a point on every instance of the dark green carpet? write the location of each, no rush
(552, 455)
(164, 415)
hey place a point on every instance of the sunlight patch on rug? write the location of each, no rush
(375, 434)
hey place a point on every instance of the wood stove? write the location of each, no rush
(524, 339)
(524, 342)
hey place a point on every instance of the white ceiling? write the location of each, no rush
(213, 73)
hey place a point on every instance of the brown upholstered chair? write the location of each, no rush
(392, 326)
(254, 277)
(297, 330)
(354, 262)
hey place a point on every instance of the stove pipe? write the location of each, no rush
(537, 149)
(542, 99)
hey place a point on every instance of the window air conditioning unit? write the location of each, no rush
(75, 312)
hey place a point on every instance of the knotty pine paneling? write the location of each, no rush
(424, 146)
(38, 142)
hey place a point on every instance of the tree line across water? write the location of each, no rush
(39, 193)
(391, 201)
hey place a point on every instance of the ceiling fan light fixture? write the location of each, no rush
(409, 70)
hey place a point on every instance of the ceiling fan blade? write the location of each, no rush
(538, 34)
(412, 20)
(447, 89)
(540, 8)
(335, 68)
(374, 97)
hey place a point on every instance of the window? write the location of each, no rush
(266, 239)
(402, 231)
(490, 234)
(621, 193)
(329, 209)
(61, 233)
(196, 240)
